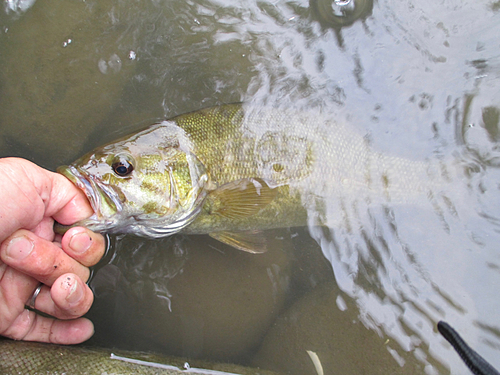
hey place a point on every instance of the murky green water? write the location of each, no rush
(419, 80)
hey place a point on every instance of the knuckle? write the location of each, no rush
(43, 267)
(21, 326)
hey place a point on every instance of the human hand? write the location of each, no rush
(31, 253)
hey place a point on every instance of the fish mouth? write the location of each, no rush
(103, 198)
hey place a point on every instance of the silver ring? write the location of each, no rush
(31, 301)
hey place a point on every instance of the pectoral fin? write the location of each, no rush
(241, 198)
(254, 241)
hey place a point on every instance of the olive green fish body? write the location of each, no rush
(231, 143)
(307, 157)
(230, 171)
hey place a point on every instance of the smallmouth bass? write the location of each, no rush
(231, 171)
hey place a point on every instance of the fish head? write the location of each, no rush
(150, 183)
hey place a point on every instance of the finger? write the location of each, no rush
(29, 185)
(67, 203)
(15, 290)
(83, 245)
(30, 326)
(39, 258)
(45, 229)
(68, 298)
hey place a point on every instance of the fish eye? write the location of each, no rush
(122, 166)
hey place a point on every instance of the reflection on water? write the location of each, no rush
(340, 13)
(417, 80)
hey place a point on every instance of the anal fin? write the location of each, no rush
(251, 241)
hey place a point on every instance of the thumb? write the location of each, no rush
(67, 203)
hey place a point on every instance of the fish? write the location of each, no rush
(233, 171)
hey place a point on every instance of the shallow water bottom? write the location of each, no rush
(194, 297)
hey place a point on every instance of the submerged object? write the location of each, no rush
(231, 172)
(477, 364)
(21, 357)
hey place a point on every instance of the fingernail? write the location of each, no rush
(75, 289)
(19, 248)
(80, 242)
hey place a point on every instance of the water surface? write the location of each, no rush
(418, 80)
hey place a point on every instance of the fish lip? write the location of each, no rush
(76, 177)
(95, 191)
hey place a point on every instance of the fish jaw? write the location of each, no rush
(103, 199)
(110, 215)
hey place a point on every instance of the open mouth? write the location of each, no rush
(96, 191)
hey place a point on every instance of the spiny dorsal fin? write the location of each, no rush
(241, 198)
